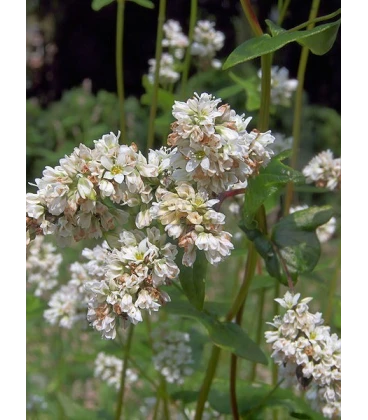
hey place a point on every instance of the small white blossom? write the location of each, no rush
(324, 171)
(167, 73)
(173, 354)
(174, 39)
(206, 42)
(42, 265)
(108, 368)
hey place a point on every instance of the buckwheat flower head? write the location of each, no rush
(108, 368)
(324, 232)
(282, 87)
(324, 171)
(188, 216)
(208, 413)
(167, 74)
(134, 273)
(174, 39)
(173, 354)
(206, 42)
(306, 352)
(42, 265)
(214, 149)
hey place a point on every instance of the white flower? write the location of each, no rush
(206, 42)
(324, 171)
(108, 368)
(174, 39)
(42, 265)
(173, 354)
(167, 72)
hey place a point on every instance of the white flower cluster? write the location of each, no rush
(167, 74)
(206, 42)
(108, 368)
(188, 217)
(68, 304)
(175, 41)
(282, 87)
(324, 171)
(173, 354)
(133, 276)
(281, 143)
(306, 351)
(42, 265)
(214, 148)
(69, 202)
(208, 413)
(324, 232)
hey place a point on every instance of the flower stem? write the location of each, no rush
(283, 11)
(192, 22)
(127, 347)
(316, 20)
(206, 385)
(119, 63)
(332, 290)
(259, 329)
(153, 110)
(298, 108)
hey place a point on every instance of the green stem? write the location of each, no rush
(264, 112)
(153, 110)
(192, 23)
(316, 20)
(275, 311)
(332, 290)
(283, 11)
(206, 385)
(298, 109)
(259, 330)
(123, 373)
(165, 399)
(251, 17)
(119, 64)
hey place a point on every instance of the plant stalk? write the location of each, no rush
(298, 108)
(128, 344)
(192, 23)
(119, 64)
(153, 109)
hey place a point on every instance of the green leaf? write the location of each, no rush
(99, 4)
(251, 87)
(186, 397)
(319, 44)
(75, 411)
(318, 39)
(34, 306)
(227, 335)
(165, 99)
(144, 3)
(296, 240)
(192, 280)
(270, 180)
(229, 91)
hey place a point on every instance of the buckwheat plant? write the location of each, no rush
(203, 215)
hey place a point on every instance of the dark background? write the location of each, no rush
(85, 41)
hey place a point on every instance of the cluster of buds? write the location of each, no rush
(108, 368)
(324, 171)
(173, 354)
(42, 265)
(306, 352)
